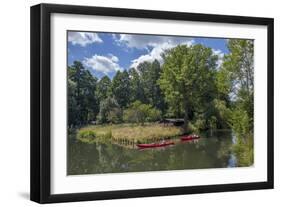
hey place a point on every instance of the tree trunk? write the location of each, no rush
(185, 125)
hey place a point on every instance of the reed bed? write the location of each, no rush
(128, 134)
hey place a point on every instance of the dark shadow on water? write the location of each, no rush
(24, 195)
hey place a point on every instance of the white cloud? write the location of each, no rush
(83, 38)
(156, 51)
(113, 58)
(154, 44)
(103, 64)
(147, 41)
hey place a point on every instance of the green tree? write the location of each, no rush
(81, 95)
(72, 104)
(121, 88)
(110, 111)
(103, 88)
(141, 113)
(187, 78)
(153, 90)
(149, 75)
(239, 67)
(143, 70)
(136, 86)
(237, 75)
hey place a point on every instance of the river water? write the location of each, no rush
(212, 150)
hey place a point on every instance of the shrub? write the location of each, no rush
(86, 134)
(140, 113)
(200, 123)
(192, 128)
(240, 122)
(129, 115)
(154, 114)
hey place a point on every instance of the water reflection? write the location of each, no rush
(212, 150)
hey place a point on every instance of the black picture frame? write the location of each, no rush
(41, 98)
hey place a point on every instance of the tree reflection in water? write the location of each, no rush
(212, 150)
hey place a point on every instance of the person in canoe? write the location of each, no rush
(190, 137)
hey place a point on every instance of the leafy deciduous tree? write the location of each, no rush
(186, 77)
(110, 111)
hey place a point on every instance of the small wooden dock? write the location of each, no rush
(175, 122)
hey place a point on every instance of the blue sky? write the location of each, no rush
(106, 53)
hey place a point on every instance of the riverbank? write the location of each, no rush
(127, 133)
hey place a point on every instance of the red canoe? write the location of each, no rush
(152, 145)
(189, 137)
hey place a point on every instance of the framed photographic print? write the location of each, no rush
(132, 103)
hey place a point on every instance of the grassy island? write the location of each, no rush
(132, 133)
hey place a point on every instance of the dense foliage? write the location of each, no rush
(238, 68)
(141, 113)
(82, 102)
(131, 96)
(189, 84)
(187, 81)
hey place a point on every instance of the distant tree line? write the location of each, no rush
(189, 84)
(132, 96)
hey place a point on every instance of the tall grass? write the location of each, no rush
(128, 132)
